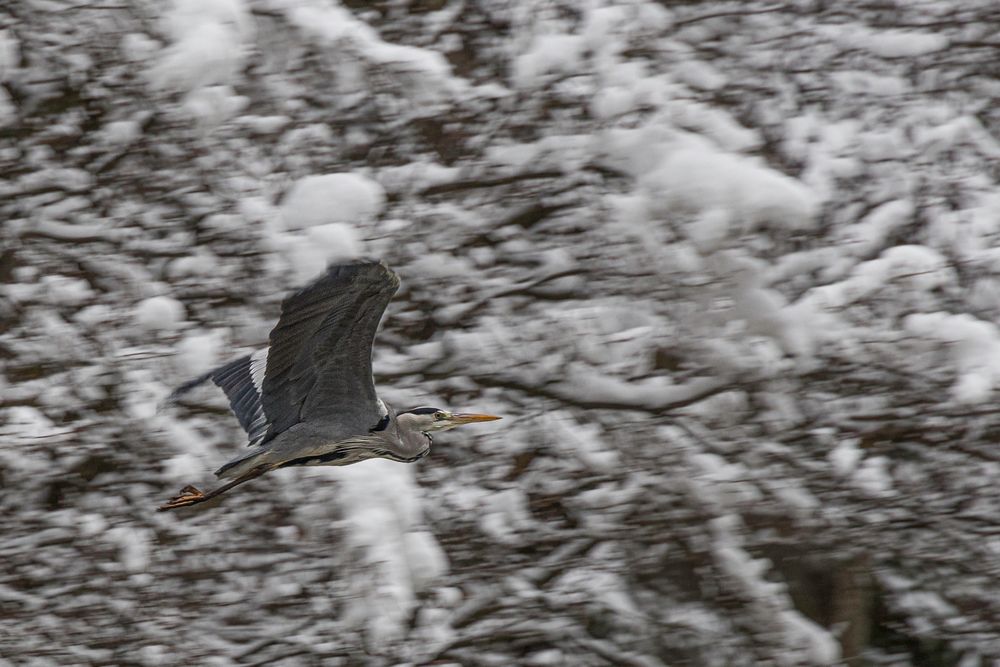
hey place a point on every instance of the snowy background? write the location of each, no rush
(729, 270)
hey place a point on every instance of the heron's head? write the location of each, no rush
(430, 420)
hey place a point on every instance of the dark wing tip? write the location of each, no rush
(390, 274)
(380, 271)
(372, 271)
(375, 269)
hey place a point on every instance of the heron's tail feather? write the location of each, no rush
(172, 397)
(242, 380)
(186, 387)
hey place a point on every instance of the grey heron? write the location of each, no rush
(309, 399)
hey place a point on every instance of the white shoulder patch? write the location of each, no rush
(258, 366)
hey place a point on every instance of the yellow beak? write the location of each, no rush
(470, 417)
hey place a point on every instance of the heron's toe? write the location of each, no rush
(189, 495)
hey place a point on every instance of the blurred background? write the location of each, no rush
(728, 270)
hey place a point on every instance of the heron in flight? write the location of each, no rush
(308, 399)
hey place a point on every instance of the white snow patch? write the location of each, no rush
(8, 112)
(845, 456)
(136, 46)
(974, 347)
(200, 264)
(714, 124)
(548, 54)
(858, 82)
(134, 547)
(208, 48)
(198, 351)
(121, 132)
(188, 15)
(10, 57)
(91, 524)
(582, 441)
(873, 478)
(768, 601)
(159, 313)
(635, 151)
(704, 179)
(211, 106)
(884, 145)
(592, 586)
(545, 658)
(176, 433)
(887, 43)
(305, 259)
(417, 175)
(257, 210)
(334, 26)
(515, 156)
(612, 101)
(425, 558)
(718, 481)
(818, 645)
(328, 198)
(505, 515)
(66, 291)
(871, 232)
(95, 315)
(961, 131)
(647, 393)
(265, 124)
(794, 495)
(699, 74)
(766, 312)
(601, 25)
(336, 240)
(927, 603)
(913, 267)
(381, 502)
(183, 466)
(28, 422)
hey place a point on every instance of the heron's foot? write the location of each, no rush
(189, 495)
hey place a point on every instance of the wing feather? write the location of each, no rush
(319, 360)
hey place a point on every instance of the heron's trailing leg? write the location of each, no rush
(190, 495)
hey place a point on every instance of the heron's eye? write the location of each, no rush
(438, 416)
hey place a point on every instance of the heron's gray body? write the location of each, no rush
(322, 443)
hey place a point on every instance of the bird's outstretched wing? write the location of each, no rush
(241, 380)
(319, 363)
